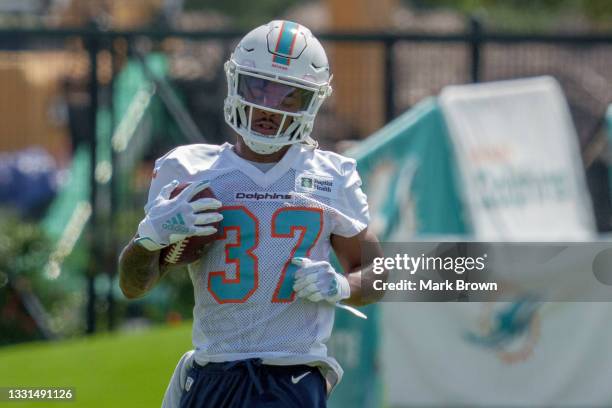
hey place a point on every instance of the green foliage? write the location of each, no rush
(529, 15)
(525, 5)
(472, 5)
(246, 14)
(598, 10)
(23, 253)
(23, 247)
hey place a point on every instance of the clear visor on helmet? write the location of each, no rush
(273, 95)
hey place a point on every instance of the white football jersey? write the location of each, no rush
(244, 303)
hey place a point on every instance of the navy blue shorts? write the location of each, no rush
(249, 383)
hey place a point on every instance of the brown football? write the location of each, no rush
(189, 249)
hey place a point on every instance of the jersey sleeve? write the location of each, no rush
(183, 164)
(167, 168)
(353, 214)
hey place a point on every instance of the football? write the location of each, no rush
(189, 249)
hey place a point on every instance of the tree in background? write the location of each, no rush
(530, 15)
(245, 13)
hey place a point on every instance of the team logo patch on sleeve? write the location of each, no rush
(319, 184)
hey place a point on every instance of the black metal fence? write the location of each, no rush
(414, 66)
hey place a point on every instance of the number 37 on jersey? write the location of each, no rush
(303, 223)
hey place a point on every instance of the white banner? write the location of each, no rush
(521, 178)
(519, 162)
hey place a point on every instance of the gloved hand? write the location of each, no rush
(318, 281)
(170, 220)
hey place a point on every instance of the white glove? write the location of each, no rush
(170, 220)
(318, 281)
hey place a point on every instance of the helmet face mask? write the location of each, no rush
(264, 84)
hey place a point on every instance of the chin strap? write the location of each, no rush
(261, 148)
(310, 142)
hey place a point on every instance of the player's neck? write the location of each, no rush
(243, 151)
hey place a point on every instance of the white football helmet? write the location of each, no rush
(277, 68)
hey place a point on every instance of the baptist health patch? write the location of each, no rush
(322, 185)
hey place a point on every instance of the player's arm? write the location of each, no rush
(139, 268)
(357, 265)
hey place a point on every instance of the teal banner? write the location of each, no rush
(408, 172)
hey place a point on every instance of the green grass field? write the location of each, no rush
(123, 370)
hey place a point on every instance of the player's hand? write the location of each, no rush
(318, 281)
(170, 220)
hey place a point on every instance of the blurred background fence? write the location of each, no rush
(145, 92)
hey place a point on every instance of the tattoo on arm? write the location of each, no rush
(139, 270)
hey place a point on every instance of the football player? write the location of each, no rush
(264, 290)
